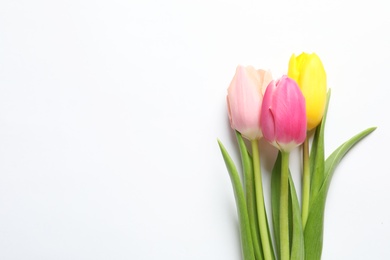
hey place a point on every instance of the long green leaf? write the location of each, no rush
(297, 240)
(247, 165)
(246, 238)
(317, 157)
(334, 159)
(313, 233)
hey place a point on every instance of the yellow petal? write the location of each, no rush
(308, 71)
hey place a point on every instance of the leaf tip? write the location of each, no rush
(370, 130)
(220, 144)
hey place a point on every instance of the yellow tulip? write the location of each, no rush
(307, 70)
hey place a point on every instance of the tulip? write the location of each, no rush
(245, 95)
(283, 122)
(307, 70)
(283, 117)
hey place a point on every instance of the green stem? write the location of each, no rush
(252, 214)
(306, 183)
(283, 217)
(261, 213)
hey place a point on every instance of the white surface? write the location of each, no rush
(110, 111)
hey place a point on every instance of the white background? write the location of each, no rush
(110, 112)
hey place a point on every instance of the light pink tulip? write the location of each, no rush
(245, 95)
(283, 118)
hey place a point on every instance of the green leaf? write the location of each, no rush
(246, 238)
(334, 159)
(313, 233)
(247, 165)
(317, 156)
(297, 242)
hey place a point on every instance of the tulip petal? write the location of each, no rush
(283, 120)
(308, 71)
(244, 101)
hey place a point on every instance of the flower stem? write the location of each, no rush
(261, 212)
(283, 217)
(306, 183)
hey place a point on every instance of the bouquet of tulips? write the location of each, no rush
(289, 113)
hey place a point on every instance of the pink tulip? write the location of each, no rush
(245, 95)
(283, 118)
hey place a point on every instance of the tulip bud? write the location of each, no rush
(245, 95)
(307, 70)
(283, 117)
